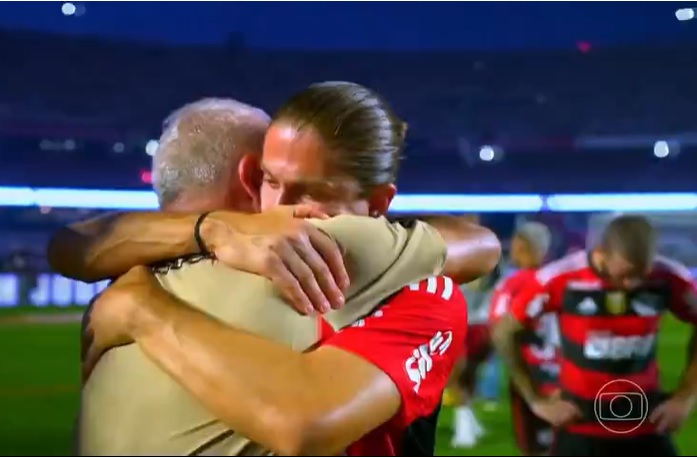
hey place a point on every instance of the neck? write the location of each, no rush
(194, 204)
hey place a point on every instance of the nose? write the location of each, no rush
(286, 197)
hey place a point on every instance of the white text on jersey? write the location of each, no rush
(421, 361)
(601, 347)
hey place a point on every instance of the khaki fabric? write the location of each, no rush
(131, 407)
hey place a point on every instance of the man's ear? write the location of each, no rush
(250, 176)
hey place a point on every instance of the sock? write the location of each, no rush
(474, 423)
(464, 430)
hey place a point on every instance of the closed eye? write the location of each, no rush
(271, 182)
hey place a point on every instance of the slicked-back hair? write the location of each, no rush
(365, 136)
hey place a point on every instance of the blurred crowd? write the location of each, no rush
(76, 105)
(559, 95)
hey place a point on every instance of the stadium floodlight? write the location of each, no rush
(685, 14)
(110, 199)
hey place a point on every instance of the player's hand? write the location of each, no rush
(109, 320)
(301, 260)
(671, 414)
(556, 411)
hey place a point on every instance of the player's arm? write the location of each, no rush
(688, 385)
(683, 304)
(524, 309)
(473, 250)
(108, 246)
(374, 247)
(303, 263)
(319, 402)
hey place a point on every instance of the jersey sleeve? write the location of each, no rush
(500, 302)
(414, 339)
(532, 301)
(683, 297)
(381, 257)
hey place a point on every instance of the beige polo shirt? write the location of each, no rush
(131, 407)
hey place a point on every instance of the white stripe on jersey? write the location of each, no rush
(673, 267)
(447, 288)
(569, 263)
(433, 284)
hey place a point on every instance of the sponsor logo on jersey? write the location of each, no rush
(587, 307)
(616, 303)
(420, 364)
(605, 346)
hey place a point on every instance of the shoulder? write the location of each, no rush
(380, 254)
(436, 297)
(383, 241)
(516, 280)
(673, 268)
(560, 268)
(377, 230)
(438, 288)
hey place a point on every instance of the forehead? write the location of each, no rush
(292, 153)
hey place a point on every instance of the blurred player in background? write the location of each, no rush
(477, 351)
(609, 301)
(538, 348)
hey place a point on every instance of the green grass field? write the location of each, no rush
(39, 393)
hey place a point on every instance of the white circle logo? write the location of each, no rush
(621, 406)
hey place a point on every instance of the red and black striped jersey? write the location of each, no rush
(608, 337)
(539, 346)
(414, 338)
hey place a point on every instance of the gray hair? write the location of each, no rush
(200, 140)
(538, 237)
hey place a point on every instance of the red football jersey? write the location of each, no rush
(540, 352)
(608, 337)
(415, 338)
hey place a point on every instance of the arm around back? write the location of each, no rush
(392, 366)
(107, 246)
(473, 250)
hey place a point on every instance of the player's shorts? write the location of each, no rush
(533, 436)
(478, 346)
(572, 444)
